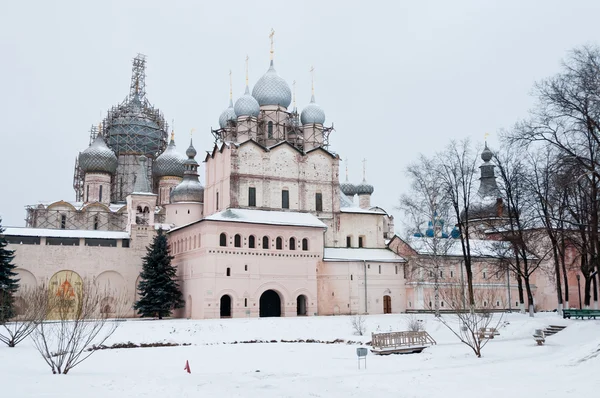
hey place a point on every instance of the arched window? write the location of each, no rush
(279, 243)
(96, 222)
(292, 243)
(305, 244)
(237, 240)
(265, 242)
(146, 210)
(228, 271)
(223, 239)
(251, 242)
(87, 194)
(100, 194)
(270, 130)
(63, 221)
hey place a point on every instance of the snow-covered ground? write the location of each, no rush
(512, 364)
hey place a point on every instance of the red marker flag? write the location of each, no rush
(187, 367)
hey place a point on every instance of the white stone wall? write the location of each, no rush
(342, 287)
(113, 268)
(369, 226)
(183, 213)
(202, 266)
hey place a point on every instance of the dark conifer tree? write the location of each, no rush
(158, 289)
(9, 283)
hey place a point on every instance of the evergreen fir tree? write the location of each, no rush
(8, 281)
(158, 289)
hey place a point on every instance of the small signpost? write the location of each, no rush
(361, 353)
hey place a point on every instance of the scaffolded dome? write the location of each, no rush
(98, 158)
(170, 162)
(312, 113)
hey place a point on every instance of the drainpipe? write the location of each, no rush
(365, 265)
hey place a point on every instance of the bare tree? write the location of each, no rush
(520, 226)
(457, 176)
(567, 118)
(415, 325)
(79, 319)
(427, 207)
(358, 323)
(473, 324)
(30, 310)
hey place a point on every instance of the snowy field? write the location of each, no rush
(512, 364)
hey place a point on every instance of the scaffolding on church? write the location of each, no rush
(38, 216)
(269, 129)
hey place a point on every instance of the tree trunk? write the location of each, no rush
(530, 303)
(564, 271)
(557, 273)
(587, 297)
(521, 293)
(595, 290)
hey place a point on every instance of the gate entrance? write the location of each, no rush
(270, 304)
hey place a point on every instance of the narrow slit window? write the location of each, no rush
(285, 199)
(252, 197)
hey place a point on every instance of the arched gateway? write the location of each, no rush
(225, 306)
(270, 304)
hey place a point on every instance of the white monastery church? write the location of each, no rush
(272, 232)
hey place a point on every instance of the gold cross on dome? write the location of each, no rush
(486, 136)
(312, 80)
(271, 36)
(247, 60)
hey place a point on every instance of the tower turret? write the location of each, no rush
(188, 197)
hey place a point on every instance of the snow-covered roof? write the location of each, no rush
(65, 233)
(267, 217)
(361, 254)
(362, 211)
(452, 247)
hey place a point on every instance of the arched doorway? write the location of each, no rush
(301, 305)
(387, 304)
(226, 306)
(270, 304)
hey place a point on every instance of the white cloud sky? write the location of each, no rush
(396, 78)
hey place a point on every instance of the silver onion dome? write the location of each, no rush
(227, 115)
(190, 189)
(486, 154)
(312, 113)
(170, 162)
(364, 188)
(271, 89)
(348, 188)
(98, 157)
(246, 105)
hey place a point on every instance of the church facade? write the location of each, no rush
(272, 232)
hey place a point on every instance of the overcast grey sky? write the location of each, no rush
(396, 78)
